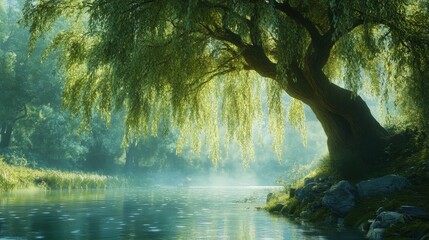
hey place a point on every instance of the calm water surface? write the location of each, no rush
(152, 213)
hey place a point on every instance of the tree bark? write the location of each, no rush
(7, 127)
(5, 135)
(359, 138)
(352, 131)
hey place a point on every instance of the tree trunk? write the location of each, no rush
(130, 158)
(352, 139)
(7, 127)
(355, 138)
(5, 135)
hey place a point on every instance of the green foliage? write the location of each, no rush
(26, 83)
(297, 118)
(169, 62)
(387, 54)
(159, 68)
(57, 137)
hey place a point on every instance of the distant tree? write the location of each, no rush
(57, 139)
(24, 81)
(192, 64)
(104, 144)
(154, 154)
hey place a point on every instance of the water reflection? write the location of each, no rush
(155, 213)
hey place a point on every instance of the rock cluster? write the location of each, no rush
(341, 197)
(381, 185)
(386, 219)
(312, 189)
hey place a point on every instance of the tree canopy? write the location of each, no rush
(25, 82)
(194, 64)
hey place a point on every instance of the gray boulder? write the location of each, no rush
(375, 234)
(382, 185)
(383, 220)
(312, 189)
(305, 192)
(388, 218)
(415, 212)
(380, 210)
(340, 198)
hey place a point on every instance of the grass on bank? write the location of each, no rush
(18, 177)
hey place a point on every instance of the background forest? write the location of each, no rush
(36, 131)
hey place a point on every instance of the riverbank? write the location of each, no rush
(389, 199)
(19, 177)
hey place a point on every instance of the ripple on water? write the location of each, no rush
(154, 229)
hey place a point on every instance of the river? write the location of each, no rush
(150, 213)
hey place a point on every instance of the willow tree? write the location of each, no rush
(193, 64)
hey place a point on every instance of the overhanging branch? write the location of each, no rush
(22, 116)
(254, 55)
(300, 19)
